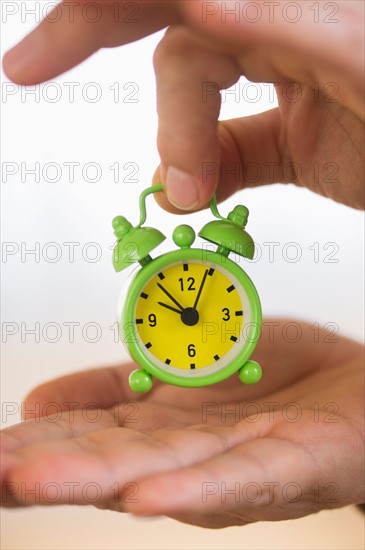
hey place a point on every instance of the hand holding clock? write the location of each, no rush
(319, 60)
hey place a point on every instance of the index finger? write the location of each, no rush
(73, 31)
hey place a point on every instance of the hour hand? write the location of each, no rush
(170, 296)
(170, 307)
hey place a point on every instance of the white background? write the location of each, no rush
(37, 290)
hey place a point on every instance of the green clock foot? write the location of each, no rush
(250, 373)
(140, 381)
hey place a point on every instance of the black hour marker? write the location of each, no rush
(239, 313)
(234, 338)
(192, 365)
(148, 345)
(186, 267)
(230, 288)
(211, 271)
(139, 321)
(161, 276)
(144, 295)
(168, 361)
(216, 357)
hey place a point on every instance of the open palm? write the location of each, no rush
(223, 455)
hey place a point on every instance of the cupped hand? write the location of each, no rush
(217, 456)
(315, 57)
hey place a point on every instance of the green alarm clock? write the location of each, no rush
(191, 317)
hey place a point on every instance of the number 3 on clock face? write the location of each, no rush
(196, 322)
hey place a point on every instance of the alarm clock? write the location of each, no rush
(191, 317)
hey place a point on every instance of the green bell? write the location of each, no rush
(229, 234)
(133, 243)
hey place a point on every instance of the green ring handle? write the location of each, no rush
(159, 187)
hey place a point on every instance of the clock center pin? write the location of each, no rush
(190, 316)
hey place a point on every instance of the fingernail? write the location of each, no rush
(181, 189)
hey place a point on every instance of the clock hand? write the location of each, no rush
(169, 307)
(189, 316)
(200, 289)
(171, 297)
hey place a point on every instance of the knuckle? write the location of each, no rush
(176, 43)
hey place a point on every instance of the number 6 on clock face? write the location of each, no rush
(196, 314)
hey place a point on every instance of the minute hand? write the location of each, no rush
(170, 296)
(200, 289)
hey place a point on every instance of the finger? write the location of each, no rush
(188, 115)
(251, 153)
(75, 30)
(117, 455)
(271, 477)
(216, 520)
(94, 388)
(217, 484)
(69, 423)
(57, 426)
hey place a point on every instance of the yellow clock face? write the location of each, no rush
(189, 318)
